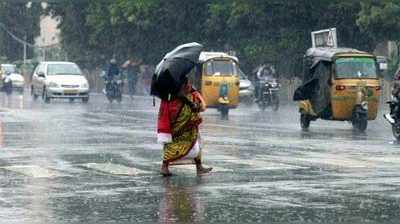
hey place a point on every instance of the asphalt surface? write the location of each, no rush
(98, 163)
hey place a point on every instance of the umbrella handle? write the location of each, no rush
(193, 106)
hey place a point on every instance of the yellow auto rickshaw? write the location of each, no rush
(339, 84)
(219, 81)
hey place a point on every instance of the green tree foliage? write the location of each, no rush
(75, 32)
(380, 20)
(22, 22)
(259, 31)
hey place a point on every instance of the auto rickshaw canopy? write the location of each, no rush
(206, 56)
(315, 55)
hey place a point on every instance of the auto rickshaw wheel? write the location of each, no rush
(305, 121)
(360, 125)
(46, 97)
(359, 120)
(110, 98)
(85, 100)
(396, 132)
(119, 98)
(224, 110)
(262, 105)
(275, 106)
(33, 94)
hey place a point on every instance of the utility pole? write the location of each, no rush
(25, 50)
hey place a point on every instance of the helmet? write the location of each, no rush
(113, 61)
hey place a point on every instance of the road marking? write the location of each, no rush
(114, 169)
(33, 171)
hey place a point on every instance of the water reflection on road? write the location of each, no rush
(98, 163)
(180, 202)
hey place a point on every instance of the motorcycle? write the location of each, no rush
(113, 90)
(268, 95)
(394, 117)
(7, 84)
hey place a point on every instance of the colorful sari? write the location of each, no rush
(178, 129)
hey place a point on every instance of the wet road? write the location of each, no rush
(98, 163)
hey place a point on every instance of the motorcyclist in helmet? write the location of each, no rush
(112, 69)
(395, 105)
(264, 74)
(6, 83)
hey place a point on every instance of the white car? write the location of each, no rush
(246, 89)
(17, 80)
(59, 80)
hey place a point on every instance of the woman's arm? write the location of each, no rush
(203, 104)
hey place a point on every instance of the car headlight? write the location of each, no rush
(274, 85)
(53, 85)
(85, 85)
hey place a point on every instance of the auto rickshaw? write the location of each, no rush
(219, 81)
(339, 84)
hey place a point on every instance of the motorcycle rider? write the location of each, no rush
(112, 69)
(264, 74)
(395, 102)
(6, 83)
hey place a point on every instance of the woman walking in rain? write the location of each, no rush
(179, 115)
(178, 128)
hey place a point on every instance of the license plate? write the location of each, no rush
(70, 91)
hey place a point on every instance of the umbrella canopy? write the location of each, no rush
(173, 69)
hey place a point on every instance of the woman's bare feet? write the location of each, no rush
(164, 170)
(202, 170)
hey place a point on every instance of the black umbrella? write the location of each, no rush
(173, 69)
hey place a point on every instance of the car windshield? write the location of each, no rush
(359, 67)
(222, 68)
(63, 69)
(9, 68)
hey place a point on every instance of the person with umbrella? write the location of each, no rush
(179, 114)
